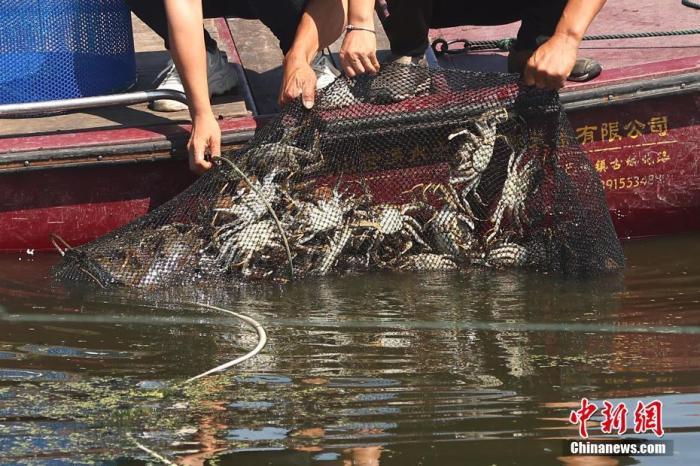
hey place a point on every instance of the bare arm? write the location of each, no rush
(320, 25)
(185, 23)
(553, 61)
(358, 53)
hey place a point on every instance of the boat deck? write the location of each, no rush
(617, 17)
(258, 58)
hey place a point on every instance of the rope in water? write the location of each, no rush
(441, 46)
(262, 341)
(154, 454)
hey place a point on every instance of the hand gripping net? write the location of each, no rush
(415, 169)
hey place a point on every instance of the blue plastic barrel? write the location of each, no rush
(60, 49)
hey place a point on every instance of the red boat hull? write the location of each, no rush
(645, 153)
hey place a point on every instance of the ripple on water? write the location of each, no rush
(356, 382)
(34, 375)
(257, 435)
(8, 355)
(251, 405)
(71, 352)
(263, 379)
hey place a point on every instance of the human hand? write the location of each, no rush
(204, 140)
(358, 54)
(552, 62)
(299, 79)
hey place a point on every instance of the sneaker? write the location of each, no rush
(221, 78)
(402, 77)
(584, 70)
(325, 71)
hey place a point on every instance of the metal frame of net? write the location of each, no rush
(415, 169)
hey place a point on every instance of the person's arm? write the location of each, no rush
(187, 48)
(358, 54)
(552, 62)
(320, 25)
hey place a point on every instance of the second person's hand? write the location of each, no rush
(205, 141)
(358, 54)
(298, 79)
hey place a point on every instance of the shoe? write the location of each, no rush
(584, 70)
(221, 78)
(402, 77)
(325, 71)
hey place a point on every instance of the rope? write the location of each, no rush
(441, 46)
(154, 454)
(262, 341)
(269, 208)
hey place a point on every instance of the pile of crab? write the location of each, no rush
(276, 227)
(279, 213)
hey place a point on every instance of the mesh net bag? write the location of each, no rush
(414, 169)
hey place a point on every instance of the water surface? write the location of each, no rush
(478, 368)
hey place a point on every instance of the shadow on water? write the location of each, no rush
(376, 369)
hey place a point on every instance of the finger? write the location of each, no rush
(291, 92)
(529, 75)
(356, 64)
(197, 162)
(308, 92)
(368, 65)
(375, 61)
(349, 71)
(554, 82)
(215, 147)
(540, 81)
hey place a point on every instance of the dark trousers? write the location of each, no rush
(409, 20)
(281, 16)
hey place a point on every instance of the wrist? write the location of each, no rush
(298, 56)
(199, 114)
(361, 21)
(569, 36)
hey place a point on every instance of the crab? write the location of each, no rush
(475, 149)
(391, 232)
(506, 254)
(428, 262)
(337, 244)
(286, 157)
(239, 246)
(452, 232)
(248, 204)
(516, 188)
(451, 198)
(326, 214)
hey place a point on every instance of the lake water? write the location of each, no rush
(479, 368)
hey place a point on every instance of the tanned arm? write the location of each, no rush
(187, 48)
(321, 24)
(553, 61)
(358, 53)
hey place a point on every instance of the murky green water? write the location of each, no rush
(391, 369)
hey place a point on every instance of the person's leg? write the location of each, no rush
(407, 26)
(152, 13)
(280, 16)
(540, 18)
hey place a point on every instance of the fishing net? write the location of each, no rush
(414, 169)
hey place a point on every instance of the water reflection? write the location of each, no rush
(390, 369)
